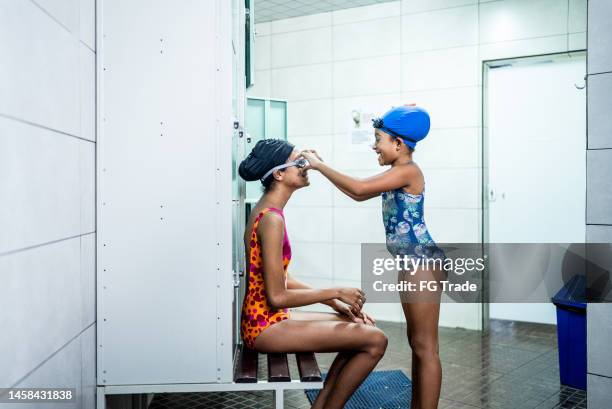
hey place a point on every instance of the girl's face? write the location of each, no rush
(386, 147)
(294, 176)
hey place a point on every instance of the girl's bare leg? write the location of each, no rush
(330, 380)
(341, 359)
(423, 337)
(422, 319)
(414, 403)
(365, 343)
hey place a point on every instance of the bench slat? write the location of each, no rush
(246, 372)
(278, 368)
(308, 367)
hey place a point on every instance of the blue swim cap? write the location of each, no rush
(409, 123)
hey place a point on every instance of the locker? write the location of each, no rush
(170, 96)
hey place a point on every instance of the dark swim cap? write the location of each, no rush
(409, 123)
(266, 154)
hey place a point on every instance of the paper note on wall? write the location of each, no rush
(361, 133)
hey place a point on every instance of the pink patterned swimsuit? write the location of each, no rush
(257, 314)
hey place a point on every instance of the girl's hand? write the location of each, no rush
(367, 319)
(354, 297)
(343, 309)
(312, 157)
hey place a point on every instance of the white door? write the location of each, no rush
(536, 160)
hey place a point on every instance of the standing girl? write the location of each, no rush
(402, 189)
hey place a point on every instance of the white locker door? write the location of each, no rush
(164, 192)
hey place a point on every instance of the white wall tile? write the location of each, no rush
(577, 16)
(312, 260)
(577, 41)
(87, 22)
(342, 200)
(416, 6)
(88, 367)
(301, 47)
(599, 234)
(599, 38)
(599, 331)
(87, 63)
(309, 117)
(454, 27)
(310, 224)
(449, 148)
(322, 144)
(303, 82)
(386, 312)
(87, 166)
(518, 19)
(364, 13)
(367, 104)
(380, 75)
(599, 189)
(347, 261)
(453, 188)
(599, 391)
(62, 370)
(39, 81)
(315, 282)
(319, 193)
(88, 279)
(263, 52)
(41, 288)
(349, 160)
(302, 23)
(450, 107)
(452, 67)
(64, 11)
(599, 102)
(367, 38)
(358, 225)
(462, 315)
(39, 184)
(454, 225)
(522, 48)
(262, 87)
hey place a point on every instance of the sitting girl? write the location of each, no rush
(267, 324)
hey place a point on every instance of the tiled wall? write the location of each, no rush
(47, 188)
(370, 58)
(599, 192)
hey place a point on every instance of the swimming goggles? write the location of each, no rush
(300, 163)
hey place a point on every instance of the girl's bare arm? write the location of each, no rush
(270, 233)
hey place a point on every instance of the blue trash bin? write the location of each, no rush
(571, 332)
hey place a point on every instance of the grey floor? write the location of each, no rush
(514, 366)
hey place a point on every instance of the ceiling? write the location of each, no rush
(268, 10)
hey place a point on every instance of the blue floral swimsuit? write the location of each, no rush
(405, 228)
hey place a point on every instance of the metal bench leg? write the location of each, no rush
(278, 397)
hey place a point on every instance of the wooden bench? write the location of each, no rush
(279, 378)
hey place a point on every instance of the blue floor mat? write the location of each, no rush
(380, 390)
